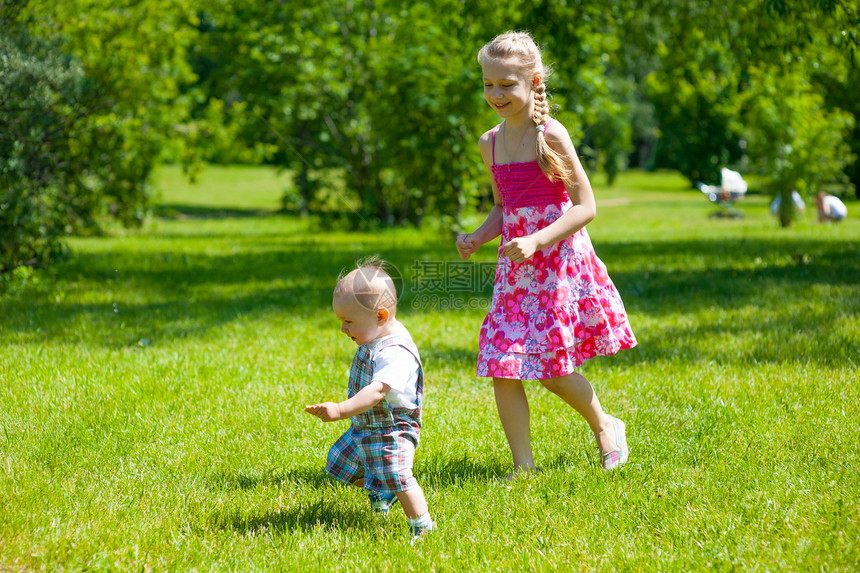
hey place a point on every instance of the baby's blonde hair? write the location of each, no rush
(520, 49)
(370, 285)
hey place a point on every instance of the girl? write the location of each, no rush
(553, 304)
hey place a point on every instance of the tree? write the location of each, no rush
(737, 72)
(265, 66)
(384, 93)
(38, 197)
(793, 138)
(88, 101)
(687, 76)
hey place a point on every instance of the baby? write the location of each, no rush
(386, 384)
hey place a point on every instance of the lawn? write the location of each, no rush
(151, 394)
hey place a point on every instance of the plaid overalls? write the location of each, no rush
(380, 443)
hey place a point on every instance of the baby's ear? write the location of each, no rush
(382, 315)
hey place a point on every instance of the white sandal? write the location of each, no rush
(614, 459)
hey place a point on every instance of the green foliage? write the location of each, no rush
(41, 196)
(794, 139)
(390, 94)
(383, 91)
(424, 114)
(703, 65)
(134, 56)
(89, 100)
(695, 110)
(385, 95)
(689, 78)
(270, 64)
(838, 77)
(608, 140)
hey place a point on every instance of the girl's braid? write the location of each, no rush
(550, 161)
(541, 110)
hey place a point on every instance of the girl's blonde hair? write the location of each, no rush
(521, 50)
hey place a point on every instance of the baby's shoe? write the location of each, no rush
(618, 456)
(417, 532)
(382, 502)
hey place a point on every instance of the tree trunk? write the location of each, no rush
(786, 207)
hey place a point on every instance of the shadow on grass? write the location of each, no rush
(314, 477)
(323, 514)
(167, 295)
(439, 470)
(442, 470)
(175, 211)
(437, 473)
(728, 273)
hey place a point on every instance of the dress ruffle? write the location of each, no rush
(537, 330)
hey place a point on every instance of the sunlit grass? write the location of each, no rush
(217, 188)
(151, 393)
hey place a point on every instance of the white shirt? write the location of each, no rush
(795, 198)
(838, 210)
(397, 368)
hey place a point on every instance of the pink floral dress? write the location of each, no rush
(556, 310)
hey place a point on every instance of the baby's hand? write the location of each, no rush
(327, 411)
(466, 246)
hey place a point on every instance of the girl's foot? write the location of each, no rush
(619, 454)
(522, 471)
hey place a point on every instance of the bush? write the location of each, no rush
(38, 90)
(87, 102)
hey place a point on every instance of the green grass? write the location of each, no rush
(219, 191)
(151, 392)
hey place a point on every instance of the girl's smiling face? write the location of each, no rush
(505, 89)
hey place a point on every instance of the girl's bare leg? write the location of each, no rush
(578, 393)
(513, 409)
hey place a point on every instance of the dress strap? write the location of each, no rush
(493, 142)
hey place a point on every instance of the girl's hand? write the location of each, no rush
(466, 246)
(327, 411)
(520, 249)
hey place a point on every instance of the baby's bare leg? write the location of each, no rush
(413, 502)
